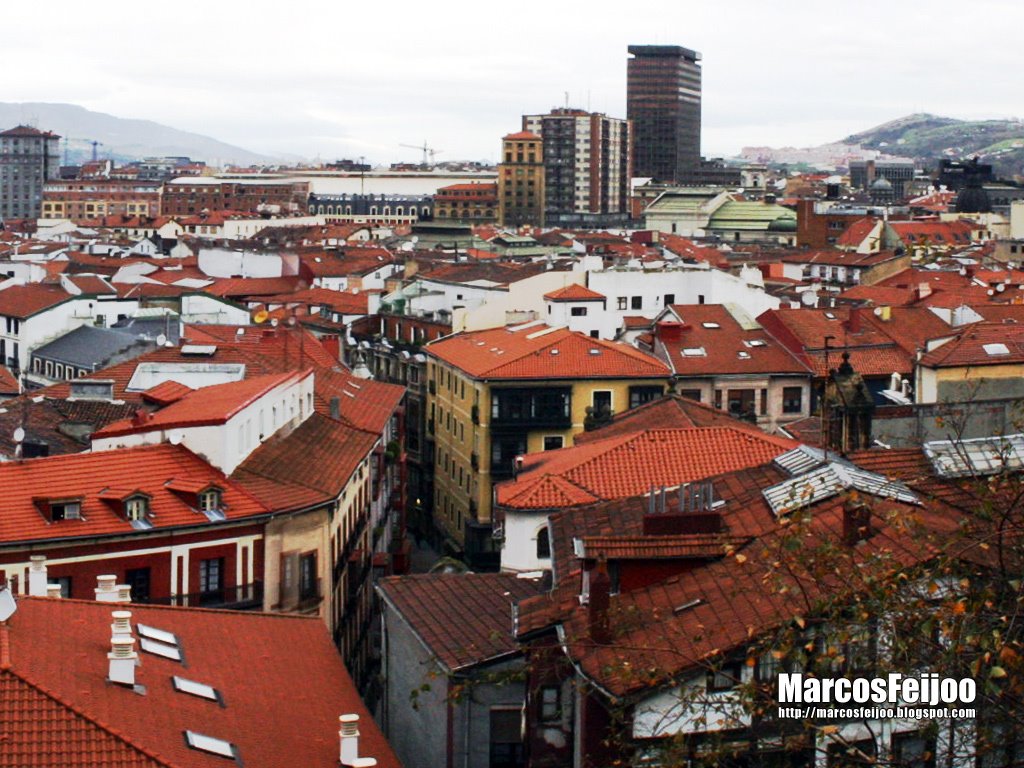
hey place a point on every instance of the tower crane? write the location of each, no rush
(428, 152)
(92, 142)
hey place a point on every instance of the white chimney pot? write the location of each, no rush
(106, 589)
(53, 590)
(122, 627)
(122, 658)
(37, 576)
(349, 733)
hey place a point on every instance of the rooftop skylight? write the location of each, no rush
(694, 352)
(977, 456)
(210, 744)
(996, 349)
(831, 480)
(193, 688)
(160, 635)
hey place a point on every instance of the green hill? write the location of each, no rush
(929, 137)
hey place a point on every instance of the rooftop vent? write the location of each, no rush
(198, 350)
(106, 589)
(711, 325)
(54, 590)
(122, 659)
(37, 576)
(92, 389)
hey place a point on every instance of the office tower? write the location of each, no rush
(28, 157)
(663, 103)
(587, 167)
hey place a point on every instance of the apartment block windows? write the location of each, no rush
(792, 399)
(211, 580)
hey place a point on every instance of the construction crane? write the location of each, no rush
(428, 152)
(93, 142)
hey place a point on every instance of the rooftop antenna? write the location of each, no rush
(566, 99)
(824, 403)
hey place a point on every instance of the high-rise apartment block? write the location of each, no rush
(663, 85)
(28, 157)
(587, 167)
(521, 180)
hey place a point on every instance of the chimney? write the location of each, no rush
(37, 576)
(856, 522)
(336, 408)
(122, 660)
(853, 323)
(124, 593)
(122, 626)
(598, 603)
(349, 733)
(106, 589)
(140, 417)
(53, 590)
(923, 291)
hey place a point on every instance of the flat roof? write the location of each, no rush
(664, 50)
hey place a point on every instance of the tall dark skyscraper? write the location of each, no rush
(663, 101)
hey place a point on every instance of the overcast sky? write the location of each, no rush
(345, 78)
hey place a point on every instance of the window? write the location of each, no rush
(578, 311)
(641, 395)
(553, 442)
(543, 544)
(741, 402)
(211, 584)
(692, 394)
(138, 579)
(620, 302)
(65, 585)
(307, 577)
(209, 744)
(913, 750)
(852, 754)
(637, 302)
(209, 500)
(550, 704)
(136, 508)
(506, 741)
(66, 510)
(670, 298)
(725, 677)
(792, 399)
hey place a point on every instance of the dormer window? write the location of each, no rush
(136, 508)
(66, 510)
(209, 500)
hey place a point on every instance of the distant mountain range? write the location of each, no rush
(929, 137)
(122, 138)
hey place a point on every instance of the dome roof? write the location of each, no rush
(881, 183)
(973, 199)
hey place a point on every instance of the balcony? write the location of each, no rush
(533, 408)
(246, 597)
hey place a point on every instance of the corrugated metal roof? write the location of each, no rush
(976, 456)
(830, 480)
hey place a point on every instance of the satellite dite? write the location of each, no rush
(7, 604)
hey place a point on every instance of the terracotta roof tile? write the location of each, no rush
(23, 301)
(630, 465)
(280, 705)
(574, 292)
(540, 352)
(27, 485)
(980, 344)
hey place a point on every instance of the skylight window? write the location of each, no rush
(711, 325)
(210, 744)
(694, 352)
(160, 635)
(976, 456)
(756, 343)
(831, 480)
(743, 355)
(171, 652)
(193, 688)
(994, 350)
(830, 316)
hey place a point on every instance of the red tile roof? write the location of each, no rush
(541, 352)
(240, 287)
(343, 302)
(282, 688)
(463, 619)
(632, 464)
(8, 384)
(23, 301)
(166, 393)
(207, 406)
(26, 485)
(363, 403)
(574, 292)
(726, 344)
(857, 232)
(28, 130)
(672, 546)
(330, 452)
(475, 186)
(523, 135)
(980, 344)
